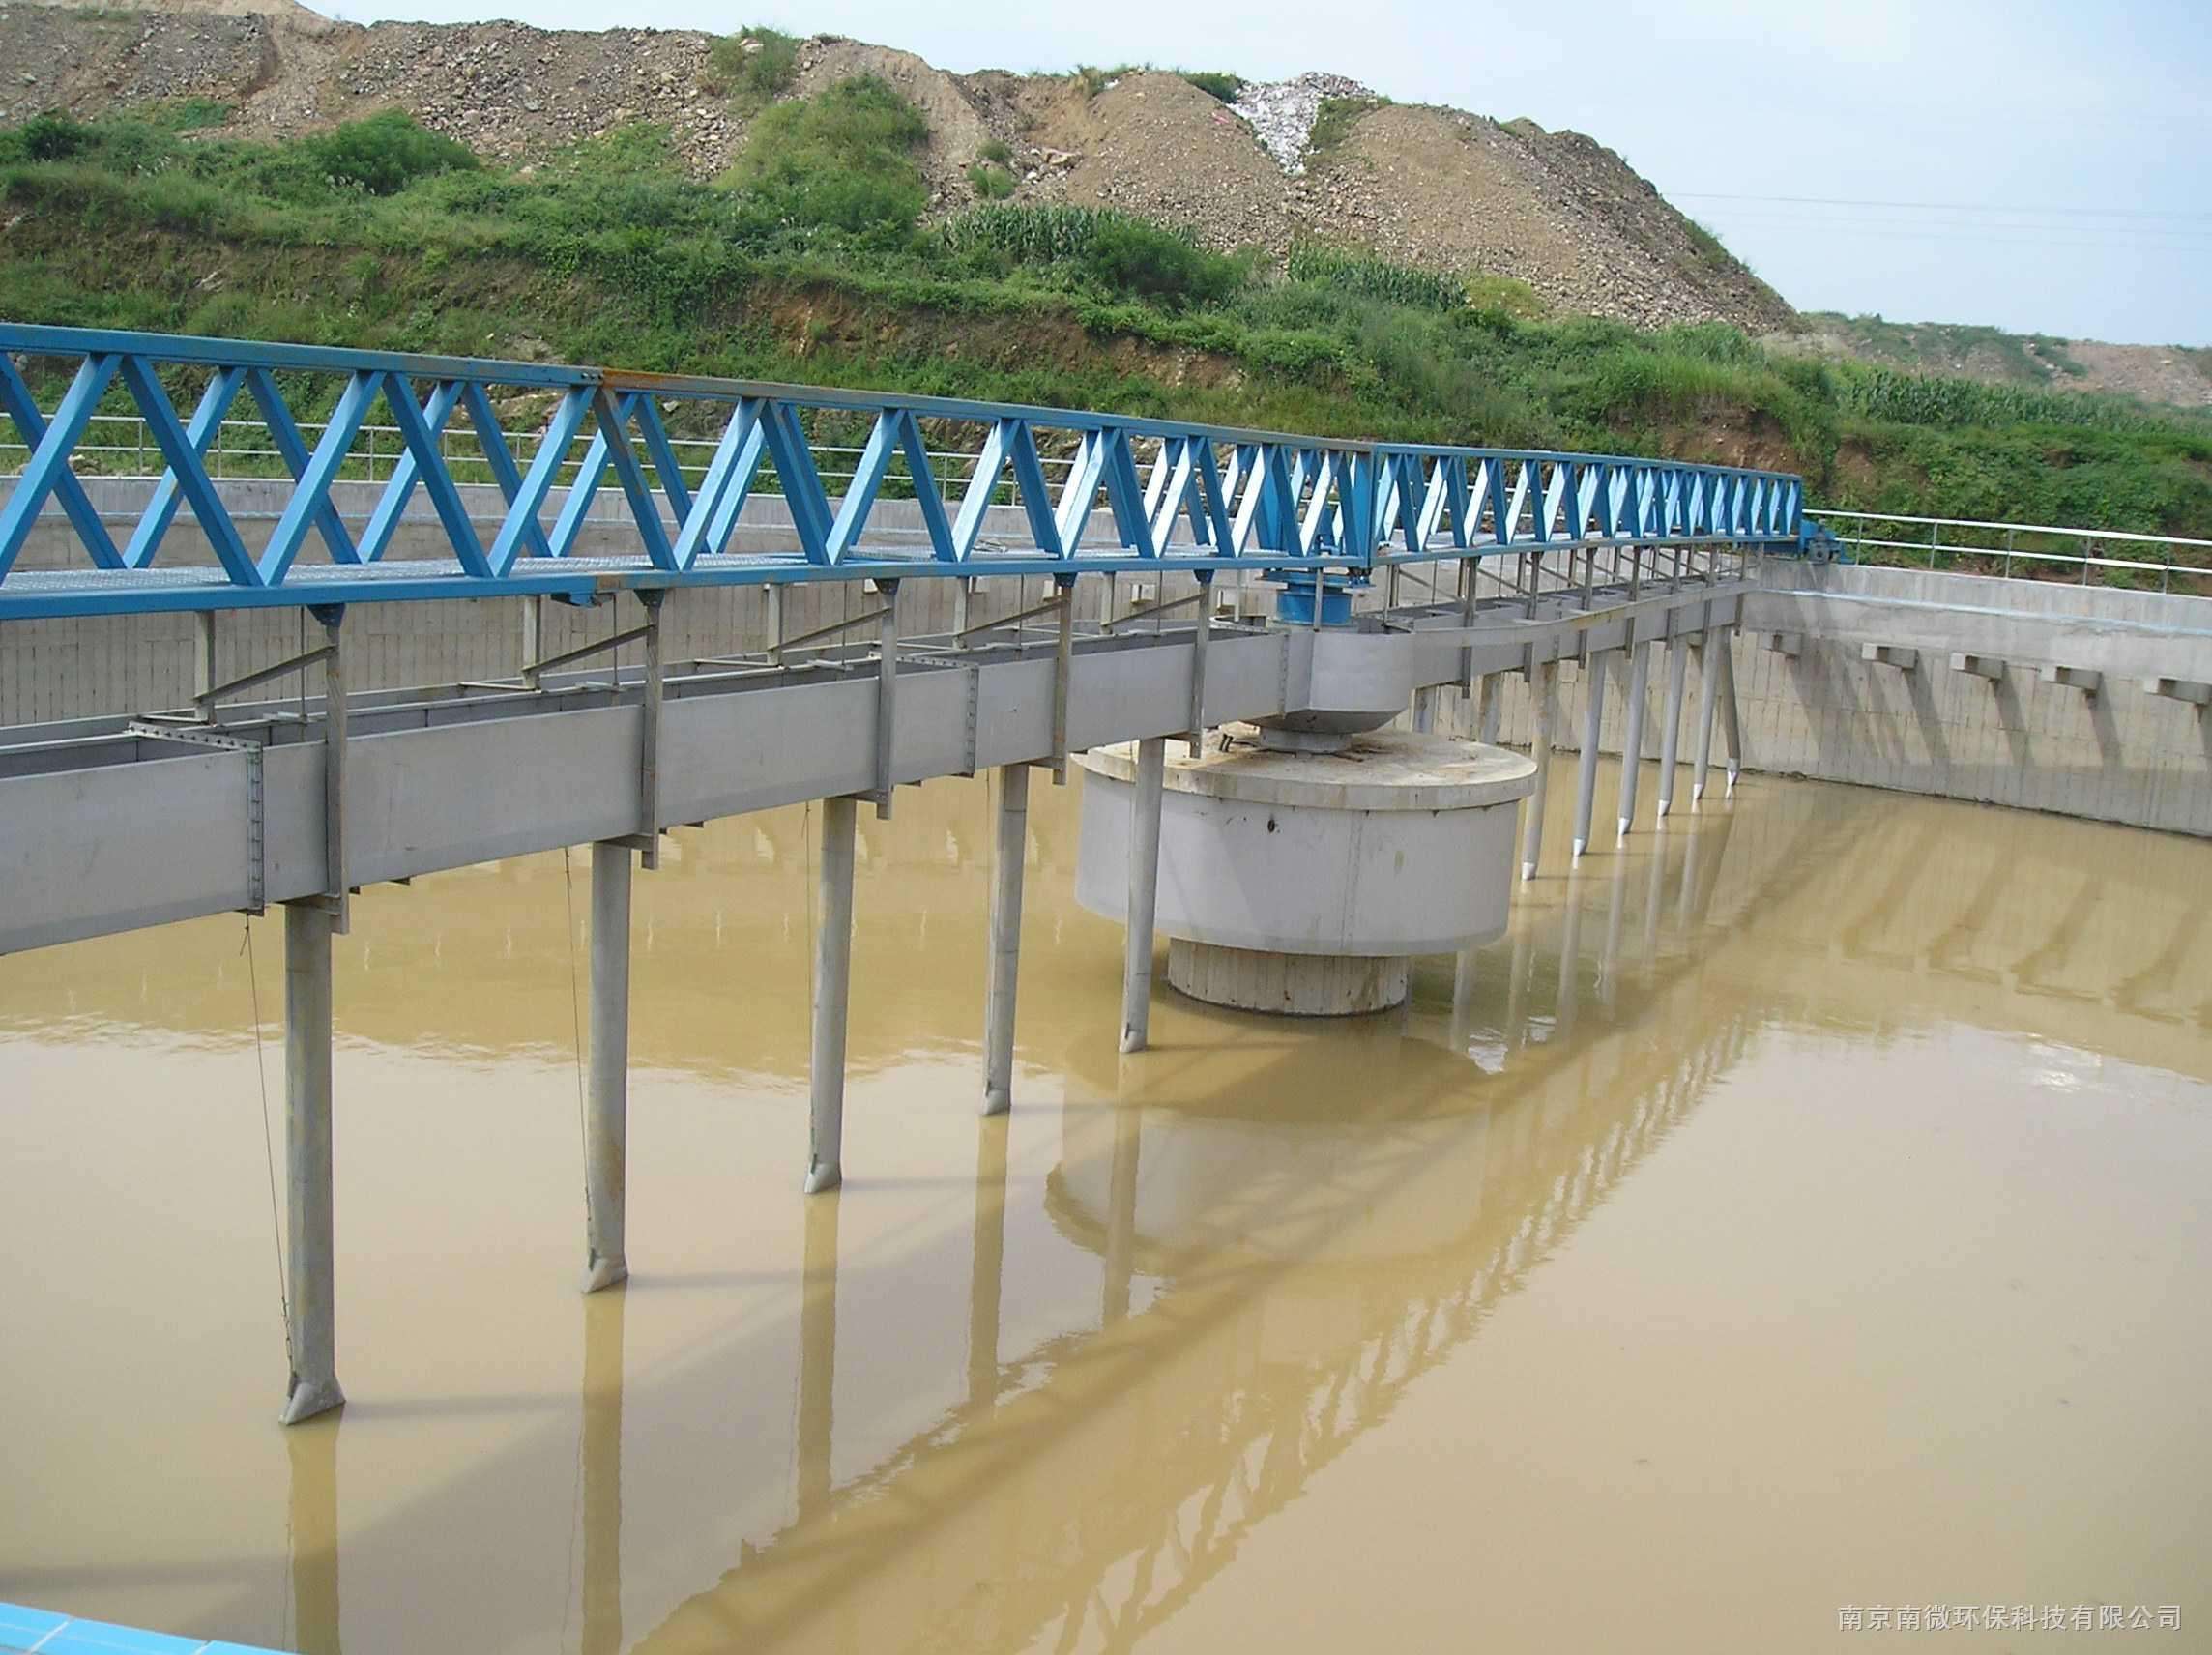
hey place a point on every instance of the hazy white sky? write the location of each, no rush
(2044, 167)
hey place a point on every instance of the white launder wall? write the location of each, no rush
(2121, 755)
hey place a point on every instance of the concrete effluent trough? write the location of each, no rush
(1303, 881)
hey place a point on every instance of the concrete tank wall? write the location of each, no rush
(2122, 755)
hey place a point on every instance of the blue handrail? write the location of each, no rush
(1175, 495)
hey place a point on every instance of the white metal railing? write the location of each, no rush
(119, 446)
(1931, 538)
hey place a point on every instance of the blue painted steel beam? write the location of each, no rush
(1250, 498)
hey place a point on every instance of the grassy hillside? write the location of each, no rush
(807, 261)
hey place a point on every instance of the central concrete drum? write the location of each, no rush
(1304, 882)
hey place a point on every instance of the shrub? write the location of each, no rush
(843, 160)
(754, 67)
(1706, 250)
(191, 114)
(385, 152)
(1216, 84)
(996, 151)
(1334, 120)
(991, 183)
(56, 138)
(1151, 263)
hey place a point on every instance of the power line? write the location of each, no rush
(1994, 235)
(1943, 206)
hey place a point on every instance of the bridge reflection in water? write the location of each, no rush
(1284, 1227)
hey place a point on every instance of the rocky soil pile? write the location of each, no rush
(1434, 187)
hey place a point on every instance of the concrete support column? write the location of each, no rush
(1425, 710)
(1670, 726)
(1632, 738)
(1464, 973)
(1144, 892)
(1586, 769)
(1710, 649)
(311, 1331)
(603, 1475)
(1485, 696)
(1732, 727)
(1007, 850)
(1540, 749)
(1493, 711)
(1122, 1215)
(817, 1360)
(606, 1121)
(986, 1263)
(832, 981)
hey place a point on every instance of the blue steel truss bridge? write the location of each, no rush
(546, 486)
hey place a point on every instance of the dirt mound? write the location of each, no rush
(1156, 146)
(514, 92)
(284, 9)
(1557, 211)
(1435, 187)
(90, 60)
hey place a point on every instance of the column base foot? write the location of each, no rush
(1579, 845)
(997, 1100)
(310, 1398)
(1624, 828)
(824, 1175)
(1528, 872)
(1132, 1041)
(605, 1273)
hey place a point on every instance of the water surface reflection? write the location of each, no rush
(1072, 1378)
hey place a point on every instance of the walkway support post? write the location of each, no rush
(311, 1314)
(1197, 737)
(832, 980)
(1009, 847)
(1425, 710)
(1144, 892)
(886, 697)
(1545, 678)
(1063, 673)
(1708, 701)
(1671, 729)
(1632, 738)
(1586, 769)
(606, 1121)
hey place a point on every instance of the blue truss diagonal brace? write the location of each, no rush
(500, 459)
(292, 449)
(520, 528)
(47, 470)
(162, 506)
(198, 488)
(407, 470)
(312, 494)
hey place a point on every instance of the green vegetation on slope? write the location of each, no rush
(1944, 348)
(809, 261)
(752, 68)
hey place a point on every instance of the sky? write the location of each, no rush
(2041, 167)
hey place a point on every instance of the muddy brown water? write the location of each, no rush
(1800, 1212)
